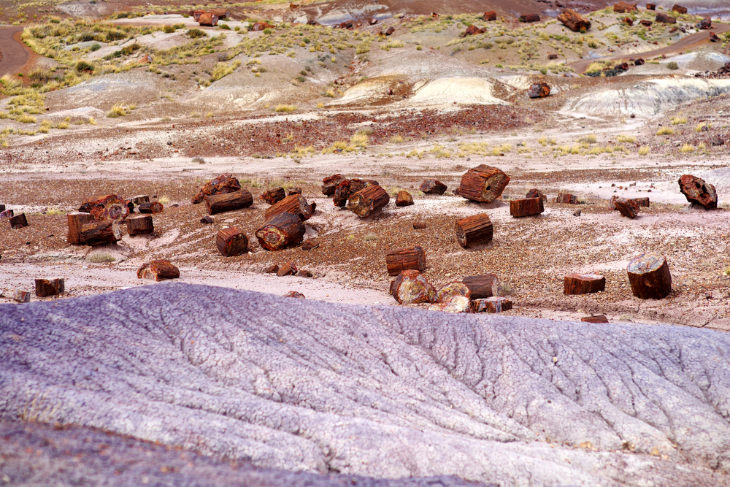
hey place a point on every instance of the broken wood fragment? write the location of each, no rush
(368, 201)
(273, 196)
(474, 230)
(583, 283)
(526, 207)
(679, 9)
(140, 225)
(310, 244)
(48, 287)
(139, 199)
(151, 207)
(6, 214)
(412, 287)
(403, 198)
(99, 233)
(295, 204)
(108, 207)
(489, 16)
(17, 295)
(483, 286)
(494, 304)
(330, 183)
(456, 288)
(624, 7)
(220, 203)
(304, 273)
(529, 18)
(663, 18)
(483, 183)
(283, 230)
(347, 188)
(294, 294)
(231, 241)
(566, 198)
(574, 21)
(405, 259)
(698, 192)
(455, 304)
(649, 276)
(288, 269)
(18, 221)
(594, 319)
(627, 208)
(76, 220)
(539, 90)
(433, 186)
(158, 270)
(272, 269)
(536, 193)
(225, 183)
(419, 225)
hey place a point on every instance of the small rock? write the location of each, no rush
(294, 294)
(418, 225)
(494, 304)
(287, 269)
(207, 219)
(305, 273)
(595, 319)
(539, 90)
(577, 212)
(310, 244)
(271, 269)
(403, 198)
(698, 192)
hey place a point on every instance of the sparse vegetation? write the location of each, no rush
(285, 108)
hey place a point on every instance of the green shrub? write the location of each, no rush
(95, 47)
(672, 65)
(195, 33)
(83, 66)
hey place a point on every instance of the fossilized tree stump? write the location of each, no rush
(405, 259)
(347, 188)
(151, 207)
(494, 304)
(483, 286)
(433, 186)
(18, 221)
(295, 204)
(219, 203)
(76, 220)
(48, 287)
(330, 183)
(368, 201)
(627, 208)
(526, 207)
(158, 270)
(225, 183)
(583, 283)
(140, 225)
(539, 90)
(284, 230)
(273, 196)
(474, 230)
(100, 233)
(412, 287)
(483, 183)
(649, 276)
(231, 241)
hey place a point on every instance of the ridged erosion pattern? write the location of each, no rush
(380, 392)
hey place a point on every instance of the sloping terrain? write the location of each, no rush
(381, 392)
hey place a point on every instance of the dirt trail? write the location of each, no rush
(692, 41)
(14, 55)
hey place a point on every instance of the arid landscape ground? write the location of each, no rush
(135, 98)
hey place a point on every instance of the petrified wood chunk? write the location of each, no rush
(151, 207)
(624, 7)
(330, 183)
(483, 183)
(2, 207)
(282, 231)
(347, 188)
(6, 214)
(222, 202)
(288, 269)
(483, 286)
(698, 192)
(17, 295)
(18, 221)
(583, 283)
(403, 198)
(539, 90)
(273, 195)
(473, 30)
(405, 259)
(99, 233)
(649, 276)
(489, 16)
(295, 204)
(455, 304)
(295, 190)
(645, 22)
(412, 287)
(526, 207)
(494, 304)
(474, 230)
(140, 225)
(433, 186)
(225, 183)
(108, 207)
(368, 201)
(679, 9)
(536, 193)
(574, 21)
(665, 18)
(231, 241)
(651, 6)
(294, 294)
(76, 220)
(566, 198)
(48, 287)
(627, 208)
(139, 199)
(705, 24)
(158, 270)
(528, 18)
(452, 289)
(594, 319)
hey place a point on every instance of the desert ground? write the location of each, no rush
(135, 98)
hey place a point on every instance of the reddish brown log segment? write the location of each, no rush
(474, 230)
(295, 204)
(273, 196)
(663, 18)
(139, 199)
(219, 203)
(536, 193)
(158, 270)
(528, 18)
(679, 9)
(18, 221)
(282, 231)
(624, 7)
(574, 21)
(231, 241)
(108, 207)
(483, 183)
(526, 207)
(494, 304)
(454, 304)
(48, 287)
(627, 208)
(583, 283)
(348, 187)
(405, 259)
(452, 289)
(433, 186)
(698, 192)
(566, 198)
(288, 269)
(403, 198)
(538, 90)
(100, 233)
(412, 287)
(483, 286)
(368, 201)
(649, 276)
(594, 319)
(225, 183)
(76, 220)
(151, 207)
(489, 16)
(17, 295)
(140, 225)
(330, 183)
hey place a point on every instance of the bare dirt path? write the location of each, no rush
(14, 55)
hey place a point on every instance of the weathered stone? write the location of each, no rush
(624, 7)
(403, 198)
(494, 304)
(412, 287)
(539, 90)
(288, 269)
(433, 186)
(489, 16)
(627, 208)
(698, 192)
(574, 21)
(583, 283)
(225, 183)
(663, 18)
(529, 18)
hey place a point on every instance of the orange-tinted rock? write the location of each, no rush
(698, 192)
(539, 90)
(225, 183)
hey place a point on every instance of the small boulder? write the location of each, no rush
(698, 192)
(539, 90)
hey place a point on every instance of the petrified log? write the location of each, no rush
(624, 7)
(483, 183)
(225, 183)
(489, 16)
(48, 287)
(140, 225)
(108, 207)
(151, 207)
(403, 198)
(405, 259)
(433, 186)
(231, 241)
(207, 219)
(698, 192)
(574, 21)
(642, 202)
(412, 287)
(419, 225)
(474, 230)
(594, 319)
(158, 270)
(208, 19)
(526, 207)
(296, 190)
(651, 6)
(294, 294)
(583, 283)
(222, 202)
(705, 24)
(483, 286)
(452, 289)
(646, 23)
(329, 184)
(368, 201)
(139, 199)
(536, 193)
(295, 204)
(528, 18)
(288, 269)
(649, 276)
(665, 18)
(18, 221)
(627, 208)
(494, 304)
(2, 207)
(473, 30)
(455, 304)
(539, 90)
(347, 188)
(100, 233)
(679, 9)
(284, 230)
(76, 220)
(273, 195)
(566, 198)
(628, 21)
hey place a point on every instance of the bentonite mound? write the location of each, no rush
(379, 392)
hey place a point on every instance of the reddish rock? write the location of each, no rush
(624, 7)
(304, 273)
(627, 208)
(310, 244)
(594, 319)
(18, 221)
(225, 183)
(273, 195)
(539, 90)
(705, 24)
(574, 21)
(158, 270)
(663, 18)
(494, 304)
(455, 304)
(713, 37)
(529, 18)
(679, 9)
(649, 276)
(329, 184)
(272, 269)
(433, 186)
(108, 207)
(208, 19)
(403, 198)
(483, 183)
(489, 16)
(412, 287)
(651, 6)
(628, 21)
(473, 30)
(566, 198)
(259, 26)
(294, 294)
(536, 193)
(698, 192)
(526, 207)
(288, 269)
(583, 283)
(646, 23)
(456, 288)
